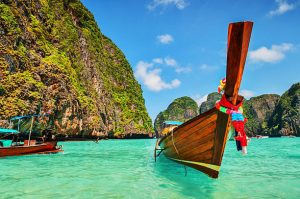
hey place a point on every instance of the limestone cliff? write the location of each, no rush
(285, 119)
(55, 60)
(181, 109)
(210, 102)
(259, 110)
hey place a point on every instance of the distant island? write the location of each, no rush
(269, 114)
(55, 61)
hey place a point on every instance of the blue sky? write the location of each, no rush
(178, 47)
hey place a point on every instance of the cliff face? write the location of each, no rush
(55, 60)
(210, 102)
(268, 114)
(285, 119)
(259, 110)
(181, 109)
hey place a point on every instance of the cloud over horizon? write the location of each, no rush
(246, 93)
(169, 61)
(151, 77)
(271, 55)
(165, 39)
(283, 7)
(180, 4)
(200, 98)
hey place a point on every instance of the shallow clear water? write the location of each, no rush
(126, 169)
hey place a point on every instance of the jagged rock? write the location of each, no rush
(285, 119)
(259, 110)
(54, 59)
(210, 102)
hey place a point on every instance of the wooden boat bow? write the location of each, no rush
(200, 142)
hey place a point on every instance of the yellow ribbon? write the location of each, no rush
(210, 166)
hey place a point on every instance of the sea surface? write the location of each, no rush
(126, 169)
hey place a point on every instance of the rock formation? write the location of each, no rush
(181, 109)
(259, 110)
(210, 102)
(54, 60)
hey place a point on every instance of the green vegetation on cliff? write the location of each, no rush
(267, 114)
(259, 110)
(54, 59)
(286, 117)
(181, 109)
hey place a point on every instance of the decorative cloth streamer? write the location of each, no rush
(236, 113)
(237, 119)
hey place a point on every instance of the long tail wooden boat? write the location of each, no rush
(29, 146)
(200, 142)
(46, 147)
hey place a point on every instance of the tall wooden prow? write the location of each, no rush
(200, 142)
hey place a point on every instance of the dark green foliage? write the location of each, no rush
(53, 58)
(181, 109)
(286, 117)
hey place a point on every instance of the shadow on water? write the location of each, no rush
(193, 185)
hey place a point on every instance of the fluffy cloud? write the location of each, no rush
(173, 63)
(199, 98)
(272, 55)
(180, 4)
(246, 93)
(282, 8)
(151, 77)
(165, 39)
(158, 60)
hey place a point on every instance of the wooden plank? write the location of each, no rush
(199, 128)
(191, 123)
(238, 41)
(208, 139)
(194, 136)
(197, 151)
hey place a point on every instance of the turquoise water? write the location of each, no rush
(126, 169)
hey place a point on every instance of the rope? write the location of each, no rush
(174, 143)
(185, 170)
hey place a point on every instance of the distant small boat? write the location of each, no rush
(28, 146)
(288, 136)
(200, 142)
(261, 136)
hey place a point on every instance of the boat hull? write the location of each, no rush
(46, 147)
(200, 142)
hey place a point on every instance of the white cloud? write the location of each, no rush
(199, 98)
(165, 39)
(246, 93)
(151, 77)
(170, 61)
(283, 7)
(272, 55)
(173, 63)
(180, 4)
(158, 60)
(206, 67)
